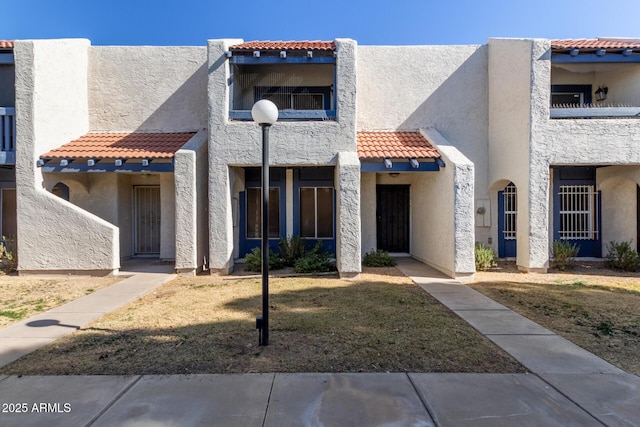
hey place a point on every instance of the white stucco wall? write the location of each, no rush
(447, 198)
(618, 186)
(190, 184)
(368, 211)
(348, 229)
(147, 88)
(51, 92)
(167, 217)
(412, 87)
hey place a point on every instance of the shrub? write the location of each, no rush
(317, 260)
(621, 256)
(485, 257)
(8, 259)
(291, 249)
(253, 260)
(564, 254)
(378, 258)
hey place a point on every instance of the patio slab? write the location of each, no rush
(59, 401)
(613, 399)
(192, 400)
(552, 354)
(496, 400)
(376, 399)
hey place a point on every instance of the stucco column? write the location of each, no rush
(187, 189)
(535, 220)
(220, 220)
(348, 240)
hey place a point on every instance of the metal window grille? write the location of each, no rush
(578, 212)
(296, 101)
(510, 199)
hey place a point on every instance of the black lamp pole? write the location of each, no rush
(265, 113)
(264, 335)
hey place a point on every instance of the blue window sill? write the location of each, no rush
(318, 115)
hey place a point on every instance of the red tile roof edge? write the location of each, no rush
(285, 45)
(90, 146)
(6, 44)
(599, 43)
(394, 145)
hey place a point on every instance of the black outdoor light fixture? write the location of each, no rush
(601, 93)
(265, 113)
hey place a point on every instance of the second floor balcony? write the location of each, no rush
(299, 77)
(7, 135)
(595, 79)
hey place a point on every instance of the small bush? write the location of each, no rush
(291, 249)
(253, 260)
(485, 257)
(317, 260)
(378, 258)
(621, 256)
(8, 259)
(564, 254)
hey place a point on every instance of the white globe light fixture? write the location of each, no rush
(265, 113)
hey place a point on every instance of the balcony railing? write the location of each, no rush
(7, 135)
(573, 111)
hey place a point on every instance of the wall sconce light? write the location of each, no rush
(601, 93)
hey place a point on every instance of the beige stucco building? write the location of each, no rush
(111, 152)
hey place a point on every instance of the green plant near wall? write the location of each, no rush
(485, 257)
(317, 260)
(378, 258)
(564, 254)
(291, 249)
(621, 256)
(253, 260)
(8, 258)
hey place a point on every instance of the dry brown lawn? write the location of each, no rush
(596, 308)
(380, 323)
(22, 297)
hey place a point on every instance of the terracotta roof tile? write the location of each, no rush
(599, 43)
(6, 44)
(121, 146)
(394, 145)
(285, 45)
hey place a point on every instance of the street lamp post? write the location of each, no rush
(265, 113)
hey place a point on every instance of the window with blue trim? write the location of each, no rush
(254, 213)
(316, 212)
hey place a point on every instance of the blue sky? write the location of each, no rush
(372, 22)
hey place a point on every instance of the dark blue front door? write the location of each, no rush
(507, 219)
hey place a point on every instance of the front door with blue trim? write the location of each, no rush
(507, 221)
(577, 209)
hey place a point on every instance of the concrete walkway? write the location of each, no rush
(567, 386)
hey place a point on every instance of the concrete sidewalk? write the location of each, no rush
(567, 386)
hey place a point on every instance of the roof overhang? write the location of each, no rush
(602, 50)
(116, 152)
(397, 152)
(283, 52)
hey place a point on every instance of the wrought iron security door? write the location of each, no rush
(146, 201)
(393, 217)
